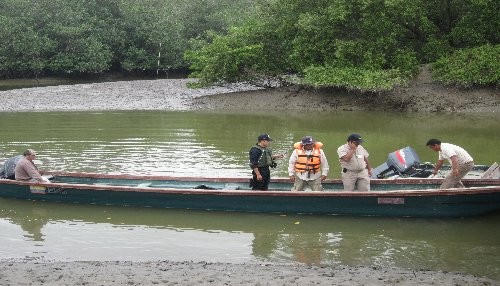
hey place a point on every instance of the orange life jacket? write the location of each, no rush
(308, 163)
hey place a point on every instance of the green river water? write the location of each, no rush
(216, 144)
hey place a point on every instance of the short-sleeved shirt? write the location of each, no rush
(26, 171)
(449, 150)
(357, 162)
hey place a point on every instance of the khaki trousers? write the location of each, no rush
(452, 181)
(300, 184)
(356, 180)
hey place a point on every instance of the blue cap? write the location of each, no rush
(264, 137)
(354, 137)
(307, 140)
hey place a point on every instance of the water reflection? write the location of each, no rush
(80, 232)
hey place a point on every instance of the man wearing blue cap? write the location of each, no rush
(261, 158)
(356, 170)
(307, 166)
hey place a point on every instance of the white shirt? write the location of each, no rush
(449, 150)
(304, 175)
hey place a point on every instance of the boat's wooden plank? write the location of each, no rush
(493, 172)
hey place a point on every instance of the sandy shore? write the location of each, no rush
(161, 94)
(189, 273)
(172, 94)
(421, 95)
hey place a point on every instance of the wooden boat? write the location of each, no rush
(410, 197)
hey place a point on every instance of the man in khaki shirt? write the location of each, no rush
(356, 170)
(27, 171)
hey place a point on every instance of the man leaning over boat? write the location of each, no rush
(460, 160)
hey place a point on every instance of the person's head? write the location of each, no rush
(355, 139)
(307, 142)
(264, 140)
(30, 154)
(434, 144)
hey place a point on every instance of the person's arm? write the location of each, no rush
(368, 166)
(291, 165)
(325, 168)
(255, 154)
(33, 172)
(257, 173)
(278, 156)
(352, 149)
(454, 165)
(439, 164)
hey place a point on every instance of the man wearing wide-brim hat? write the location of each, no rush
(356, 170)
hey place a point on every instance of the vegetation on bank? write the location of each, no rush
(368, 45)
(362, 45)
(74, 37)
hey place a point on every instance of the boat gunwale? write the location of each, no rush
(397, 181)
(282, 193)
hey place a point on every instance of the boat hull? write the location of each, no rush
(401, 202)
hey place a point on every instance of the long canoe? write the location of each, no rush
(398, 198)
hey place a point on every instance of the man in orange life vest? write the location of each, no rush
(308, 165)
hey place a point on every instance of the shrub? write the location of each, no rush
(469, 67)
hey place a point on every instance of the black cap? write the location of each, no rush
(354, 137)
(264, 137)
(307, 140)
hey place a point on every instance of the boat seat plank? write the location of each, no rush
(493, 172)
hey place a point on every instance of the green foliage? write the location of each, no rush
(363, 41)
(95, 36)
(352, 78)
(469, 67)
(478, 24)
(226, 59)
(22, 50)
(356, 44)
(85, 56)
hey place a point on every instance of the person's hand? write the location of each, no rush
(259, 177)
(352, 145)
(323, 177)
(279, 156)
(292, 178)
(455, 172)
(370, 172)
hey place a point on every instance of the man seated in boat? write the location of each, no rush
(27, 171)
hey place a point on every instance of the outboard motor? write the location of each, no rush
(402, 163)
(7, 170)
